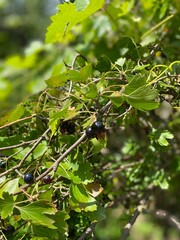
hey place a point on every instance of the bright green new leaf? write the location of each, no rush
(67, 17)
(161, 136)
(6, 206)
(36, 213)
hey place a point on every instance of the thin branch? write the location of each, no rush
(127, 229)
(17, 121)
(56, 163)
(157, 26)
(128, 226)
(88, 231)
(27, 154)
(61, 158)
(18, 145)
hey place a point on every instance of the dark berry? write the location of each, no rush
(28, 178)
(2, 164)
(9, 230)
(47, 179)
(90, 133)
(98, 127)
(67, 127)
(71, 128)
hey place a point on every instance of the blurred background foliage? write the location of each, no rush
(26, 61)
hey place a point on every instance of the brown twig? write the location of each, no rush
(17, 121)
(137, 212)
(88, 231)
(56, 163)
(27, 155)
(18, 145)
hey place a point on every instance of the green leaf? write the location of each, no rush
(6, 205)
(83, 173)
(116, 99)
(57, 81)
(163, 138)
(104, 64)
(67, 17)
(11, 186)
(160, 136)
(36, 213)
(135, 83)
(90, 90)
(12, 115)
(55, 117)
(80, 198)
(81, 4)
(40, 149)
(140, 95)
(98, 215)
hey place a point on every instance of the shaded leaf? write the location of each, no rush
(6, 205)
(104, 64)
(12, 115)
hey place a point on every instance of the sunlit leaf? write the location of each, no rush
(67, 17)
(36, 212)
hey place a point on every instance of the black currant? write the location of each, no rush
(67, 127)
(90, 133)
(28, 178)
(98, 127)
(71, 128)
(9, 230)
(2, 164)
(47, 179)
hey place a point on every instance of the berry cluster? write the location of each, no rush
(97, 130)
